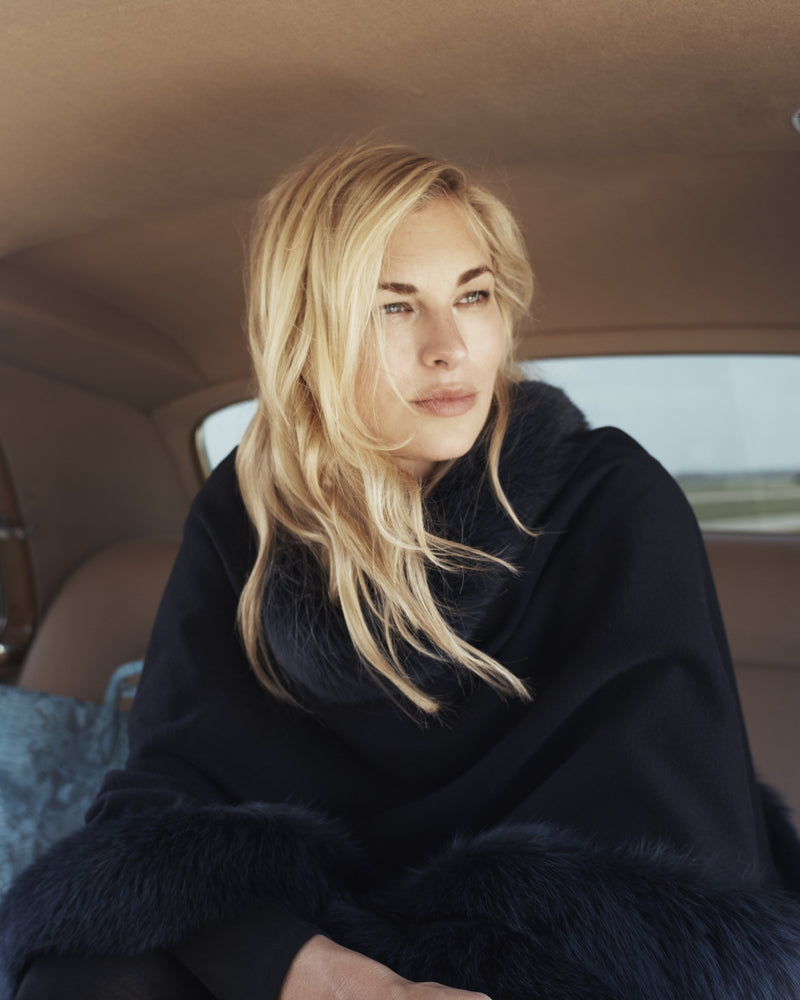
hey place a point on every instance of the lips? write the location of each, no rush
(450, 402)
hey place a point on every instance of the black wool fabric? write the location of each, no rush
(606, 839)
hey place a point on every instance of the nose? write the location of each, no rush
(442, 346)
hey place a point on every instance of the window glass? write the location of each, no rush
(221, 431)
(724, 425)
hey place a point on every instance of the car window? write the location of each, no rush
(221, 431)
(725, 426)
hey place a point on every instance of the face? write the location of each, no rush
(443, 340)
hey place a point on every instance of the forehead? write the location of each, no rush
(439, 235)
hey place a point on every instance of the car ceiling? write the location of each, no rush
(647, 148)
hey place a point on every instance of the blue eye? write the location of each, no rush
(394, 308)
(474, 298)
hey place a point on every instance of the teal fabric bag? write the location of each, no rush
(54, 753)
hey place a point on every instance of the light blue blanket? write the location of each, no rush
(54, 752)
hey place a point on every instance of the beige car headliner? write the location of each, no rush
(647, 148)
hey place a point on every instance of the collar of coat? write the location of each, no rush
(307, 634)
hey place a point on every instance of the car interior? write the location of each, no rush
(651, 153)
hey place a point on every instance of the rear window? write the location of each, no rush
(221, 431)
(725, 426)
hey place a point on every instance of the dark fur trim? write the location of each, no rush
(147, 881)
(536, 912)
(527, 911)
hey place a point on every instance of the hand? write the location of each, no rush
(324, 970)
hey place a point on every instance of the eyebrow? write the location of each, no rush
(400, 288)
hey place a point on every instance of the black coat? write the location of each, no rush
(606, 840)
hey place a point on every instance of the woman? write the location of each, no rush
(438, 692)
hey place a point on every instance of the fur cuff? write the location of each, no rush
(148, 881)
(528, 911)
(535, 912)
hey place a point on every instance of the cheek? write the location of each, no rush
(366, 388)
(398, 361)
(376, 393)
(489, 343)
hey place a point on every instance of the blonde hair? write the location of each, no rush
(309, 465)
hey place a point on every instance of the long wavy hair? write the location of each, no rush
(309, 466)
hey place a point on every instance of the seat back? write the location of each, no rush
(101, 617)
(758, 581)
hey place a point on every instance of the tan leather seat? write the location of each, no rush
(758, 581)
(101, 617)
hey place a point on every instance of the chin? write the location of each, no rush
(452, 451)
